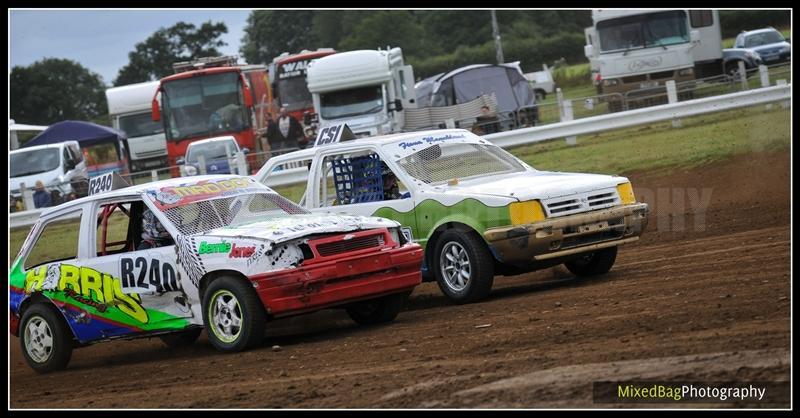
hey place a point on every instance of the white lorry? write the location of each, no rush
(130, 110)
(365, 89)
(641, 49)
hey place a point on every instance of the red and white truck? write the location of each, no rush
(213, 97)
(287, 75)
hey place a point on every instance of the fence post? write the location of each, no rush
(201, 159)
(560, 100)
(153, 175)
(241, 164)
(763, 71)
(672, 97)
(743, 75)
(566, 115)
(27, 197)
(786, 103)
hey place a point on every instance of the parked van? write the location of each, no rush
(60, 167)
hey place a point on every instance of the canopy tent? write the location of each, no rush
(88, 135)
(464, 84)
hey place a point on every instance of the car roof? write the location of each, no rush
(371, 140)
(215, 139)
(38, 147)
(141, 189)
(757, 31)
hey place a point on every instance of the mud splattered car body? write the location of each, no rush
(475, 208)
(240, 254)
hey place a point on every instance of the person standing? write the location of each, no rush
(284, 132)
(41, 198)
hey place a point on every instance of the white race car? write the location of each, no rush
(476, 209)
(231, 254)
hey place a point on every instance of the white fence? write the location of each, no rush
(567, 129)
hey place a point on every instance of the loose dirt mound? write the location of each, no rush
(678, 304)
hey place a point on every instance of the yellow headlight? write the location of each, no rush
(625, 191)
(526, 212)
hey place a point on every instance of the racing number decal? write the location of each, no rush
(101, 183)
(328, 135)
(145, 275)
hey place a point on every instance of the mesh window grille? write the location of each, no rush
(203, 216)
(358, 179)
(440, 163)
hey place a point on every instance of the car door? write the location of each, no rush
(358, 182)
(143, 285)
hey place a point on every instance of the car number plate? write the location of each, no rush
(771, 58)
(599, 226)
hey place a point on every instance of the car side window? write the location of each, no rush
(58, 241)
(119, 227)
(299, 171)
(77, 155)
(358, 177)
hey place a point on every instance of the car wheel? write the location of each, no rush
(181, 339)
(377, 311)
(45, 338)
(540, 96)
(233, 315)
(464, 268)
(593, 263)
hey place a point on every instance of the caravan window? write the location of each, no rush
(701, 18)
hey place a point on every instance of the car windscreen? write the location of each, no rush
(293, 93)
(764, 38)
(139, 125)
(204, 215)
(26, 163)
(643, 31)
(442, 162)
(211, 151)
(352, 102)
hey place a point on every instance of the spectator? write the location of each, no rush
(284, 132)
(41, 198)
(487, 122)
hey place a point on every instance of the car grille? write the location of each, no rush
(581, 202)
(354, 244)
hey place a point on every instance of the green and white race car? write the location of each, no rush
(475, 208)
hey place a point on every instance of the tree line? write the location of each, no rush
(433, 41)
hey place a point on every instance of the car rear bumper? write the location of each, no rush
(341, 280)
(568, 235)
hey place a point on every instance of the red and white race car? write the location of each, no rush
(171, 257)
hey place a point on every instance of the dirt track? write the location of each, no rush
(710, 304)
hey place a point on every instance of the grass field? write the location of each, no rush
(702, 139)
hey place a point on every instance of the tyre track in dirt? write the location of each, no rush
(724, 289)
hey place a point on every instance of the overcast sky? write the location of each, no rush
(100, 40)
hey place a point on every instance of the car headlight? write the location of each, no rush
(397, 236)
(625, 191)
(527, 212)
(785, 49)
(610, 82)
(190, 170)
(686, 71)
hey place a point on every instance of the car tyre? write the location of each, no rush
(181, 339)
(233, 315)
(45, 339)
(593, 263)
(377, 311)
(463, 266)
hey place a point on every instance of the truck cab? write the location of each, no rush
(366, 89)
(130, 110)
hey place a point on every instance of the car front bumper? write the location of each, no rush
(568, 235)
(339, 281)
